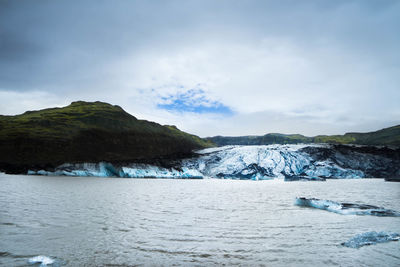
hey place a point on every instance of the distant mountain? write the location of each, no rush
(388, 136)
(93, 132)
(87, 132)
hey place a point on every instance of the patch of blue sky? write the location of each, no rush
(195, 101)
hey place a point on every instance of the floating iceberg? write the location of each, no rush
(371, 238)
(43, 260)
(345, 208)
(303, 178)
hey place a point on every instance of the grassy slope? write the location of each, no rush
(88, 131)
(387, 136)
(272, 138)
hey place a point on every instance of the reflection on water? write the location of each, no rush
(109, 221)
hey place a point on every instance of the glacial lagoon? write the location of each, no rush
(91, 221)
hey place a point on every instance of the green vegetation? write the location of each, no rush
(389, 136)
(67, 122)
(272, 138)
(88, 132)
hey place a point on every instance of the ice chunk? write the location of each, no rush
(149, 171)
(345, 208)
(43, 260)
(303, 178)
(42, 172)
(190, 173)
(371, 238)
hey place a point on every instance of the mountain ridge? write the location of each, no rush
(93, 132)
(389, 136)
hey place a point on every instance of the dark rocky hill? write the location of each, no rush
(87, 132)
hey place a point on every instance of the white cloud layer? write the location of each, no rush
(309, 68)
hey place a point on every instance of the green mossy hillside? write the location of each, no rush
(388, 136)
(87, 132)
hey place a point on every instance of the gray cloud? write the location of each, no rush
(332, 61)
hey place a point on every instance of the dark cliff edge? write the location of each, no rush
(88, 132)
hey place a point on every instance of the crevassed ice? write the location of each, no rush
(233, 162)
(251, 162)
(329, 169)
(371, 238)
(265, 162)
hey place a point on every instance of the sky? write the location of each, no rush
(209, 67)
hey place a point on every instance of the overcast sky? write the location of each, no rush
(209, 67)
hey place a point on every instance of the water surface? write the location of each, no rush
(128, 222)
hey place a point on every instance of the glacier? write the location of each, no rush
(267, 162)
(371, 238)
(314, 162)
(105, 169)
(345, 208)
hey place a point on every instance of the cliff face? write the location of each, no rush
(87, 132)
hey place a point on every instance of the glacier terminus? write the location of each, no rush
(289, 162)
